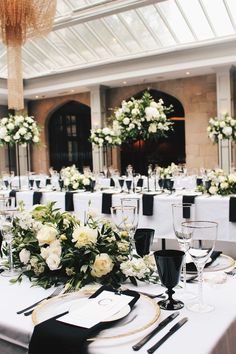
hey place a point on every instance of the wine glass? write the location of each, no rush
(121, 183)
(128, 183)
(143, 240)
(125, 218)
(200, 237)
(183, 212)
(6, 225)
(169, 264)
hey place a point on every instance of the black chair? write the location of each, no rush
(143, 240)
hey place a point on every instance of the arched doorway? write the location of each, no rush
(164, 151)
(69, 131)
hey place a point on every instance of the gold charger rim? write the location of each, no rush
(150, 322)
(222, 268)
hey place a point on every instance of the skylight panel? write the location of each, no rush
(197, 19)
(63, 8)
(154, 20)
(232, 9)
(109, 37)
(175, 20)
(121, 30)
(218, 16)
(139, 30)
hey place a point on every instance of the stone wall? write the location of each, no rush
(197, 95)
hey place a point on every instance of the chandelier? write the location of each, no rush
(21, 20)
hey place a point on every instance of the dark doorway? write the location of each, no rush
(69, 131)
(164, 151)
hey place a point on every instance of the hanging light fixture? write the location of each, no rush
(19, 21)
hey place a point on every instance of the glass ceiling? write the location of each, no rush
(79, 40)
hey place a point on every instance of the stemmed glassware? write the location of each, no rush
(125, 218)
(121, 183)
(169, 263)
(200, 236)
(6, 224)
(182, 212)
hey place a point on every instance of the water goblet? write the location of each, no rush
(201, 238)
(183, 212)
(61, 183)
(128, 183)
(121, 183)
(37, 182)
(161, 184)
(31, 183)
(143, 240)
(169, 264)
(125, 218)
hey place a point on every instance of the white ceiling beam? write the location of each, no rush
(96, 11)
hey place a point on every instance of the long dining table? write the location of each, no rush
(211, 208)
(206, 333)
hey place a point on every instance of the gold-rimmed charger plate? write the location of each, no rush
(222, 263)
(145, 312)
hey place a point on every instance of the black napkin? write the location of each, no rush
(37, 197)
(54, 336)
(48, 181)
(140, 182)
(112, 182)
(188, 199)
(13, 194)
(69, 203)
(148, 204)
(106, 203)
(190, 267)
(232, 209)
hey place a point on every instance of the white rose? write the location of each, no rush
(102, 265)
(24, 256)
(135, 111)
(222, 124)
(213, 190)
(16, 136)
(232, 177)
(152, 128)
(22, 131)
(46, 234)
(83, 236)
(227, 131)
(151, 112)
(7, 138)
(10, 126)
(106, 131)
(126, 121)
(35, 139)
(224, 185)
(3, 132)
(86, 181)
(53, 261)
(4, 121)
(75, 185)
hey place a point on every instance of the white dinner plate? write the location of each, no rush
(145, 312)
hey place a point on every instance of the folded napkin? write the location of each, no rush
(69, 203)
(54, 336)
(148, 204)
(13, 194)
(37, 197)
(187, 199)
(232, 209)
(190, 267)
(106, 203)
(112, 182)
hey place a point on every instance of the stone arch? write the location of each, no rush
(68, 128)
(165, 150)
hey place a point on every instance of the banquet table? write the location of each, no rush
(209, 333)
(211, 208)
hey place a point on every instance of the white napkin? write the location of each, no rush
(95, 310)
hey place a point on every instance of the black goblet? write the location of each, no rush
(121, 183)
(169, 184)
(128, 185)
(161, 183)
(31, 183)
(143, 239)
(37, 182)
(169, 265)
(61, 184)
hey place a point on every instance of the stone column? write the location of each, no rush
(224, 86)
(98, 116)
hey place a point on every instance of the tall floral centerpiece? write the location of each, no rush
(19, 130)
(53, 248)
(73, 179)
(141, 119)
(222, 130)
(105, 138)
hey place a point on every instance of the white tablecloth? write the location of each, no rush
(210, 333)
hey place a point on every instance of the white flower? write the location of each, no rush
(106, 131)
(35, 139)
(4, 121)
(46, 234)
(3, 132)
(10, 126)
(232, 177)
(102, 265)
(152, 128)
(83, 236)
(86, 181)
(213, 190)
(224, 185)
(135, 268)
(151, 112)
(22, 131)
(222, 124)
(53, 261)
(24, 256)
(227, 131)
(126, 121)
